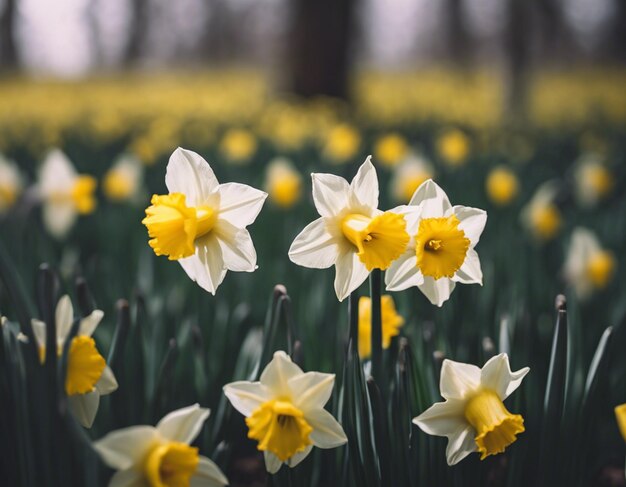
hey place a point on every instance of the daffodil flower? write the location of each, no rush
(409, 175)
(202, 223)
(588, 266)
(10, 184)
(283, 183)
(541, 216)
(391, 323)
(160, 456)
(620, 415)
(351, 234)
(473, 416)
(501, 186)
(123, 180)
(593, 179)
(65, 194)
(285, 412)
(88, 376)
(441, 251)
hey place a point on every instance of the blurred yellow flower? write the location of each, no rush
(594, 180)
(283, 183)
(620, 414)
(342, 143)
(453, 147)
(391, 149)
(502, 186)
(143, 149)
(238, 145)
(541, 216)
(391, 324)
(122, 181)
(408, 176)
(10, 184)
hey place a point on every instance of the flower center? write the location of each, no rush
(171, 465)
(279, 427)
(379, 241)
(84, 366)
(440, 246)
(546, 221)
(82, 194)
(391, 323)
(174, 226)
(600, 268)
(496, 428)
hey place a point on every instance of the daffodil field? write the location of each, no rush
(203, 284)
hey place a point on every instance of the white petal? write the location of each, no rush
(63, 316)
(311, 390)
(59, 218)
(208, 475)
(496, 374)
(403, 273)
(130, 477)
(89, 323)
(364, 186)
(330, 193)
(39, 330)
(458, 379)
(272, 462)
(412, 216)
(236, 245)
(432, 199)
(472, 220)
(84, 407)
(350, 273)
(56, 173)
(460, 444)
(315, 246)
(442, 418)
(124, 448)
(298, 457)
(206, 266)
(188, 173)
(107, 383)
(278, 372)
(246, 396)
(183, 425)
(327, 432)
(240, 204)
(437, 290)
(470, 272)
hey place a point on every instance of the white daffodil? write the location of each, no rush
(473, 416)
(541, 216)
(10, 184)
(64, 193)
(352, 233)
(122, 182)
(409, 175)
(588, 266)
(593, 179)
(283, 183)
(88, 376)
(160, 456)
(285, 412)
(202, 223)
(441, 251)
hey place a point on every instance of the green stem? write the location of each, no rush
(377, 330)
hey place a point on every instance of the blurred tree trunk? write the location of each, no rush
(517, 52)
(8, 51)
(319, 47)
(138, 29)
(457, 35)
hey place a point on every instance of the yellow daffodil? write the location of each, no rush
(501, 186)
(620, 414)
(409, 175)
(10, 184)
(122, 181)
(391, 149)
(352, 233)
(588, 266)
(391, 323)
(202, 223)
(88, 376)
(473, 416)
(285, 412)
(147, 456)
(453, 147)
(65, 194)
(541, 216)
(441, 250)
(283, 183)
(342, 143)
(593, 180)
(238, 145)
